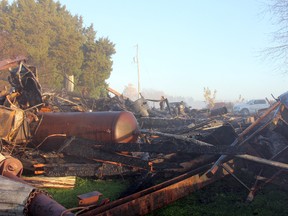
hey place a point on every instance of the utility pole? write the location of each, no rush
(138, 70)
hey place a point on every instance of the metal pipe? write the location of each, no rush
(230, 171)
(42, 205)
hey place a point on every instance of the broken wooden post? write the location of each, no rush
(69, 83)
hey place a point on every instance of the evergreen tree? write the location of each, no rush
(97, 64)
(56, 42)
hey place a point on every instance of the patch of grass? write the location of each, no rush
(68, 197)
(224, 199)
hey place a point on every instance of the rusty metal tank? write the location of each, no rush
(105, 127)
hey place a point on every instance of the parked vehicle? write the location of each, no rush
(251, 107)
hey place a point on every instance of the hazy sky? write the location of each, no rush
(186, 45)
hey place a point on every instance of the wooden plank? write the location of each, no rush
(51, 182)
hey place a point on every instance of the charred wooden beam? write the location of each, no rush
(113, 91)
(67, 169)
(180, 137)
(171, 147)
(81, 148)
(152, 122)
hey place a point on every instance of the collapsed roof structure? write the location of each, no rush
(57, 134)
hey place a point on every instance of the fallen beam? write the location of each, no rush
(180, 137)
(158, 196)
(169, 147)
(5, 64)
(84, 149)
(264, 161)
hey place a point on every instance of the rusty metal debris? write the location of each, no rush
(90, 198)
(63, 134)
(21, 198)
(158, 196)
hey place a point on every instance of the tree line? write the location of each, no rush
(57, 43)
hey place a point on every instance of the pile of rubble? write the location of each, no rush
(63, 134)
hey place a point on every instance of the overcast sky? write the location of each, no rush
(187, 45)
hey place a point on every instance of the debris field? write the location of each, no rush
(54, 135)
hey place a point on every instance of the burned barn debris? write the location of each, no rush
(65, 134)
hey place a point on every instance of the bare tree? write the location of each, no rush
(279, 11)
(210, 97)
(240, 99)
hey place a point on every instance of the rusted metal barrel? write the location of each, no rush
(105, 127)
(42, 205)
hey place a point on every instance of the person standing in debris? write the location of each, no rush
(181, 108)
(162, 103)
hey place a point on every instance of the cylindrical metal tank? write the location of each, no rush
(106, 127)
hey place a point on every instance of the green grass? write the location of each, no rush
(68, 197)
(223, 198)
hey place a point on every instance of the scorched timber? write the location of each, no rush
(83, 149)
(171, 147)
